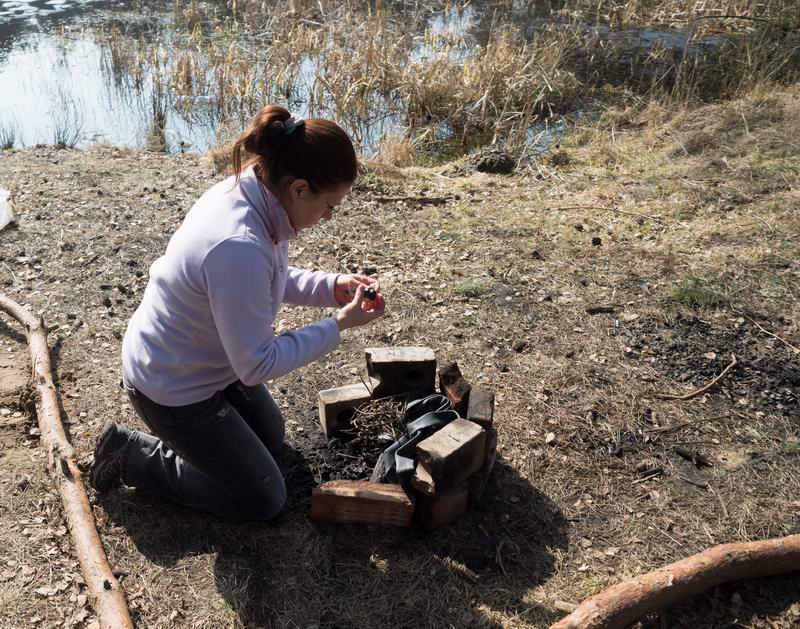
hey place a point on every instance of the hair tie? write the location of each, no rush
(292, 124)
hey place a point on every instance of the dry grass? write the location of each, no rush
(378, 419)
(482, 78)
(499, 279)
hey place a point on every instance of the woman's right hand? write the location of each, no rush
(360, 310)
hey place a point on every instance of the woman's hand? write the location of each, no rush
(360, 310)
(346, 285)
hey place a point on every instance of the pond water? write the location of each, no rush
(53, 82)
(60, 83)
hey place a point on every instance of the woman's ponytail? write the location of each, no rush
(285, 148)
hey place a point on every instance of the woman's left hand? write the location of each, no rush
(346, 285)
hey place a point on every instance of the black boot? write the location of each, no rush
(110, 456)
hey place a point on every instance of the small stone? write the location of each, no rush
(579, 227)
(550, 437)
(597, 241)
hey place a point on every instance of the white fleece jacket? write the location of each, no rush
(206, 316)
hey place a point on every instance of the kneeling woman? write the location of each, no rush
(201, 344)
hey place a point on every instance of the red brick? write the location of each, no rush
(480, 479)
(434, 512)
(449, 456)
(361, 502)
(455, 387)
(481, 408)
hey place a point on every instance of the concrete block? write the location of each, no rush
(455, 387)
(481, 408)
(449, 456)
(443, 509)
(338, 406)
(361, 502)
(401, 370)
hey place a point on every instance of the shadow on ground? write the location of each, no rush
(294, 572)
(738, 604)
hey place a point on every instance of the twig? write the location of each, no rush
(796, 350)
(678, 426)
(92, 259)
(727, 17)
(497, 556)
(14, 277)
(594, 310)
(694, 482)
(610, 209)
(671, 428)
(721, 503)
(694, 394)
(650, 474)
(653, 528)
(421, 200)
(366, 386)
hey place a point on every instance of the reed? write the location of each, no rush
(9, 132)
(66, 118)
(482, 74)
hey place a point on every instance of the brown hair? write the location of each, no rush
(316, 150)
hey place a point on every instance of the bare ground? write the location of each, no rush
(686, 224)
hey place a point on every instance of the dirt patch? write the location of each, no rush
(13, 377)
(691, 352)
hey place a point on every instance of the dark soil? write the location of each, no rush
(692, 352)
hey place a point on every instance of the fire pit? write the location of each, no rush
(433, 452)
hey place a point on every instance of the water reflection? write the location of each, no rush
(74, 72)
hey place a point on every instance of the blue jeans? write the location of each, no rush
(217, 455)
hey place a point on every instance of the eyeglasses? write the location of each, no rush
(331, 206)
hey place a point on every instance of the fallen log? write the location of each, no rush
(623, 604)
(105, 592)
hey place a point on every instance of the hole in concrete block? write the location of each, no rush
(345, 417)
(414, 377)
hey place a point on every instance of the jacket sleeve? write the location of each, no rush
(237, 274)
(310, 288)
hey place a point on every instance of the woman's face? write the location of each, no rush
(306, 208)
